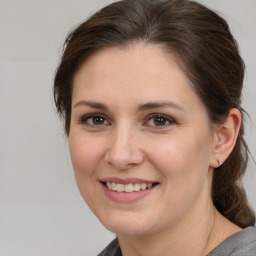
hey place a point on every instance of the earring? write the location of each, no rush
(220, 163)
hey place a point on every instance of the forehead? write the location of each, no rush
(137, 73)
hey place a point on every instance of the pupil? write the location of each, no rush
(98, 120)
(159, 121)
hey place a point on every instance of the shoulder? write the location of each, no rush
(113, 249)
(241, 243)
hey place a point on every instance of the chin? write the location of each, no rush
(127, 224)
(126, 229)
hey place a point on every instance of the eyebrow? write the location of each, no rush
(140, 108)
(91, 104)
(155, 105)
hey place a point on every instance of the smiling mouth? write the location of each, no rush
(128, 188)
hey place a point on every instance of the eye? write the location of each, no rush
(159, 120)
(94, 120)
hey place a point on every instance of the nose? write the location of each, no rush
(124, 151)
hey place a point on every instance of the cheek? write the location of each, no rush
(85, 154)
(184, 177)
(183, 160)
(172, 156)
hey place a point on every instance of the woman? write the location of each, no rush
(150, 92)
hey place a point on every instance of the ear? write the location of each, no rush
(225, 136)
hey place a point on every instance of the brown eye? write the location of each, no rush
(159, 121)
(94, 120)
(98, 120)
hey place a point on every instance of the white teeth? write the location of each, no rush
(128, 187)
(113, 187)
(119, 187)
(136, 187)
(143, 186)
(149, 185)
(109, 185)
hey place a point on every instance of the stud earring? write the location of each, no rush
(220, 163)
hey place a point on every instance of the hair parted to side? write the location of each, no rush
(210, 57)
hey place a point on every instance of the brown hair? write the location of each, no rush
(207, 50)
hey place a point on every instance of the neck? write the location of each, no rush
(199, 237)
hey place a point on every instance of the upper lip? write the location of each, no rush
(127, 180)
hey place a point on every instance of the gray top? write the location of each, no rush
(242, 243)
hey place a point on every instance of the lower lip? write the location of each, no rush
(126, 197)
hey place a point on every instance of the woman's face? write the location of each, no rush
(137, 125)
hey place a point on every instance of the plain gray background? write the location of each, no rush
(41, 210)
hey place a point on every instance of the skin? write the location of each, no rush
(177, 217)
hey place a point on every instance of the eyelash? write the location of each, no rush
(84, 120)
